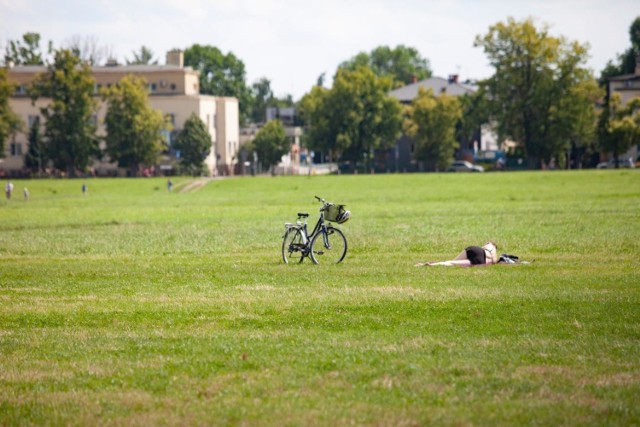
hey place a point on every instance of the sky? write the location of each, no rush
(293, 42)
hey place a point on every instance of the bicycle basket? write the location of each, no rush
(333, 212)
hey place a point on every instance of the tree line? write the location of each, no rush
(541, 95)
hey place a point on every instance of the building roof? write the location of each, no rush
(28, 69)
(439, 85)
(625, 77)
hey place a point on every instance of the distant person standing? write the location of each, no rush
(8, 189)
(85, 189)
(25, 193)
(169, 185)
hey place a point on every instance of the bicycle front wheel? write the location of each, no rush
(292, 246)
(329, 248)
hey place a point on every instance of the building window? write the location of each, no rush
(16, 149)
(21, 90)
(171, 118)
(31, 120)
(173, 86)
(153, 87)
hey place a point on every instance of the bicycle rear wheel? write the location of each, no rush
(293, 249)
(329, 251)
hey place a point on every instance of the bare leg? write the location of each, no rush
(453, 262)
(461, 261)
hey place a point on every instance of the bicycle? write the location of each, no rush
(325, 244)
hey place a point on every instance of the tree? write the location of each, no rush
(134, 129)
(316, 120)
(475, 113)
(355, 117)
(431, 121)
(10, 122)
(87, 49)
(404, 64)
(620, 126)
(220, 74)
(36, 157)
(142, 57)
(25, 52)
(70, 116)
(262, 98)
(271, 143)
(535, 78)
(576, 123)
(194, 144)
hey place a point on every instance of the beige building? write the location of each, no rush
(628, 85)
(173, 89)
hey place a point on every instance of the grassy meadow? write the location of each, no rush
(135, 306)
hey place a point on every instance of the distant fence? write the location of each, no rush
(314, 169)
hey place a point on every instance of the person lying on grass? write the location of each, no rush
(472, 255)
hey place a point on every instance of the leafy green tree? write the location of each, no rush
(134, 129)
(36, 157)
(317, 134)
(25, 52)
(626, 62)
(431, 121)
(620, 126)
(262, 98)
(10, 123)
(271, 143)
(194, 144)
(475, 113)
(353, 118)
(70, 128)
(143, 57)
(575, 122)
(220, 74)
(535, 77)
(402, 63)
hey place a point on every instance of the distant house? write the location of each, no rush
(173, 89)
(439, 86)
(628, 85)
(400, 158)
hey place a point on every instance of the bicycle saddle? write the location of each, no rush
(303, 214)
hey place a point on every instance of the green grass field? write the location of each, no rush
(135, 306)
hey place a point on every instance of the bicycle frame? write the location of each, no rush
(319, 227)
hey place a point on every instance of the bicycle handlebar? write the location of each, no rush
(324, 203)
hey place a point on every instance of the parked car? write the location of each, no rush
(464, 166)
(622, 163)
